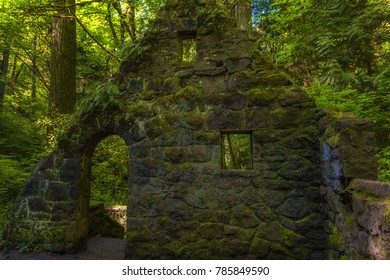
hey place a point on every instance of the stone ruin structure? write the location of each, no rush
(304, 193)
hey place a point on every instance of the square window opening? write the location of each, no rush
(187, 49)
(236, 149)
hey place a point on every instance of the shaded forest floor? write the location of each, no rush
(99, 248)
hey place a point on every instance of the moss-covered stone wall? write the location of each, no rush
(357, 217)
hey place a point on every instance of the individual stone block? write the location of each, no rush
(242, 81)
(213, 84)
(237, 64)
(69, 171)
(219, 119)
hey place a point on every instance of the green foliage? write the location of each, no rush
(12, 177)
(20, 138)
(339, 42)
(189, 50)
(383, 158)
(362, 104)
(133, 52)
(104, 97)
(382, 81)
(20, 147)
(215, 16)
(110, 171)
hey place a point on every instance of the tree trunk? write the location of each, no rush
(63, 59)
(3, 75)
(243, 15)
(117, 6)
(112, 28)
(130, 11)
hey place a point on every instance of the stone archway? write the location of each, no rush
(109, 188)
(80, 229)
(51, 212)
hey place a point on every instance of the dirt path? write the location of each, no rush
(99, 248)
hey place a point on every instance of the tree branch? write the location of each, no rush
(92, 37)
(38, 73)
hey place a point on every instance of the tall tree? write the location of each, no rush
(130, 12)
(62, 97)
(243, 14)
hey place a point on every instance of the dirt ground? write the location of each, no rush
(99, 248)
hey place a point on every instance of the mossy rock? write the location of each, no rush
(136, 237)
(171, 85)
(195, 119)
(260, 248)
(211, 231)
(259, 97)
(191, 93)
(262, 61)
(274, 78)
(243, 81)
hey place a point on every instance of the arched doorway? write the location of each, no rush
(109, 191)
(102, 194)
(109, 173)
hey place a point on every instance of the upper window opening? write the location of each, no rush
(187, 49)
(236, 150)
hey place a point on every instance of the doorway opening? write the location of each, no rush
(108, 191)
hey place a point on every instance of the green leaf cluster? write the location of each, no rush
(20, 147)
(216, 16)
(106, 96)
(384, 165)
(110, 172)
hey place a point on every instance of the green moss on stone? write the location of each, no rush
(171, 83)
(261, 96)
(194, 118)
(280, 252)
(188, 165)
(141, 108)
(191, 93)
(247, 74)
(211, 230)
(260, 248)
(336, 239)
(246, 234)
(234, 55)
(175, 248)
(274, 78)
(148, 95)
(278, 113)
(136, 237)
(262, 61)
